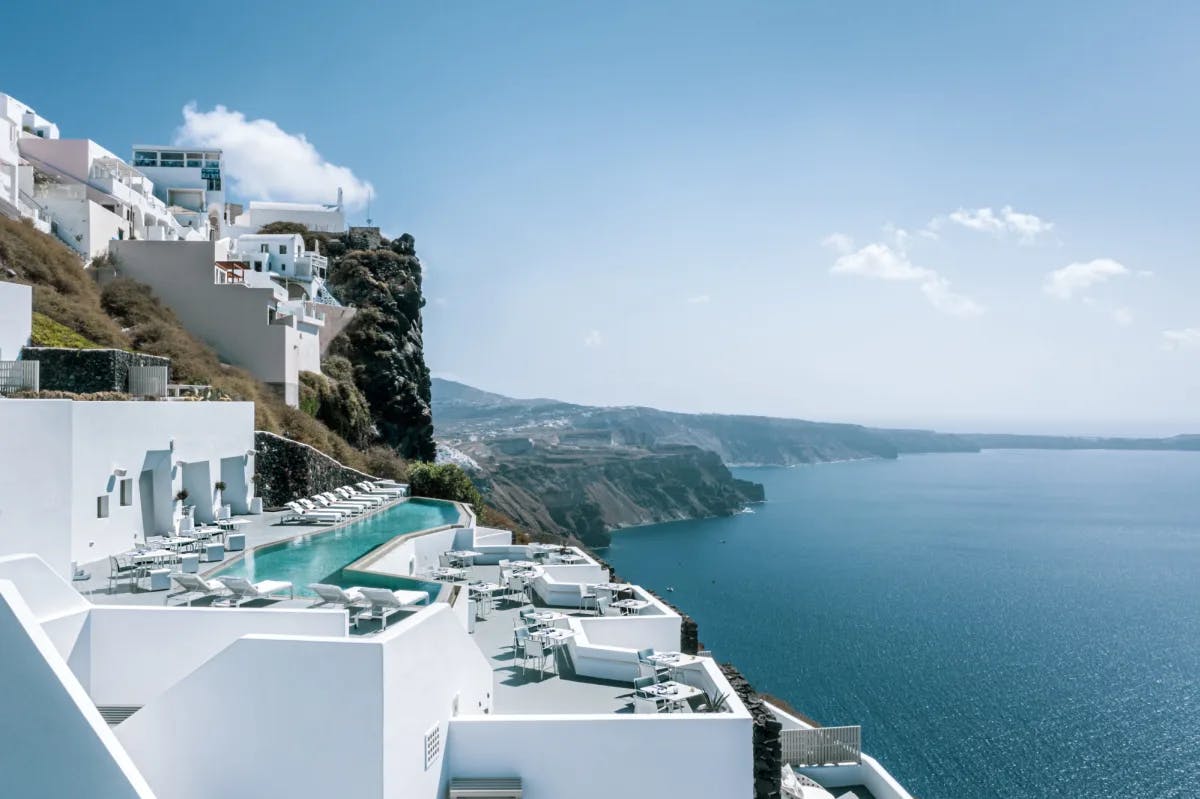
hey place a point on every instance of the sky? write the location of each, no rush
(965, 216)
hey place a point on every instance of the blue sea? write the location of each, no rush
(1008, 623)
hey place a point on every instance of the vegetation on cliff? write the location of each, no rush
(384, 341)
(127, 315)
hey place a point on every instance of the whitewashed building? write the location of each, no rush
(319, 217)
(246, 316)
(18, 121)
(189, 181)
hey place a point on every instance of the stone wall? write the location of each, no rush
(768, 749)
(286, 470)
(87, 371)
(689, 631)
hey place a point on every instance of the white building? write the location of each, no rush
(93, 197)
(19, 121)
(189, 181)
(16, 318)
(320, 217)
(93, 478)
(249, 318)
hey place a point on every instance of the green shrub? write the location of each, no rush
(443, 481)
(48, 333)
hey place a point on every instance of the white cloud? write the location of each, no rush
(699, 299)
(1073, 278)
(878, 261)
(263, 161)
(937, 291)
(1026, 227)
(593, 339)
(838, 242)
(1187, 338)
(1122, 316)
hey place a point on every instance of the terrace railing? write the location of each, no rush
(822, 746)
(19, 376)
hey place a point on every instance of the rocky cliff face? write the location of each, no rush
(384, 340)
(587, 492)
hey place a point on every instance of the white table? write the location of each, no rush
(546, 617)
(673, 693)
(151, 556)
(673, 661)
(231, 524)
(465, 557)
(528, 574)
(556, 636)
(570, 557)
(631, 607)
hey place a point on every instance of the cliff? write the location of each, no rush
(586, 492)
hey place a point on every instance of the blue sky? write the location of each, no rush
(636, 203)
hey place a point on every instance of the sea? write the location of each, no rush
(1009, 623)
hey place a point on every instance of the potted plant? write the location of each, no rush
(218, 499)
(716, 702)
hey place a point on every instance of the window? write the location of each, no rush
(264, 248)
(283, 249)
(102, 507)
(258, 266)
(126, 492)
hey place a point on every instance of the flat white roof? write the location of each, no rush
(178, 148)
(273, 206)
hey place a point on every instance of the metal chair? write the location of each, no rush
(120, 569)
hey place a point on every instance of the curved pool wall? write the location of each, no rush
(326, 556)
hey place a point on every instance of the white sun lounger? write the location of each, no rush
(322, 502)
(384, 603)
(349, 495)
(196, 587)
(371, 488)
(336, 595)
(245, 591)
(313, 514)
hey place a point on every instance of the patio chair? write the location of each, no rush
(646, 704)
(384, 603)
(539, 654)
(196, 587)
(520, 638)
(336, 595)
(642, 683)
(603, 604)
(335, 498)
(648, 669)
(120, 568)
(242, 590)
(587, 599)
(518, 590)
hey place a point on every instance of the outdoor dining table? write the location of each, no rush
(449, 574)
(631, 607)
(556, 636)
(148, 557)
(177, 542)
(546, 617)
(675, 694)
(570, 557)
(231, 524)
(674, 661)
(528, 574)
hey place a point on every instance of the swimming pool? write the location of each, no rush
(321, 556)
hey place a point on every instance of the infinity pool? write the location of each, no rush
(321, 556)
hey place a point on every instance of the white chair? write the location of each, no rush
(520, 638)
(517, 590)
(645, 704)
(384, 603)
(336, 595)
(587, 599)
(371, 488)
(537, 652)
(242, 590)
(196, 587)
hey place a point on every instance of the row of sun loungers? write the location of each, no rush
(368, 603)
(335, 506)
(230, 591)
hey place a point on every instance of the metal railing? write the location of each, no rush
(19, 376)
(822, 746)
(148, 381)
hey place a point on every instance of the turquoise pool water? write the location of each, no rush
(321, 556)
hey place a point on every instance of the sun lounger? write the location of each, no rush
(384, 603)
(351, 496)
(371, 488)
(335, 595)
(322, 502)
(243, 590)
(322, 516)
(196, 587)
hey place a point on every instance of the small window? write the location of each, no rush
(102, 507)
(283, 249)
(264, 248)
(258, 266)
(126, 492)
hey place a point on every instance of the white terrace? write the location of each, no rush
(285, 700)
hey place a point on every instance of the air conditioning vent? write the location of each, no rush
(499, 788)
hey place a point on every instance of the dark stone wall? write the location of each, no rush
(768, 749)
(87, 371)
(286, 470)
(689, 631)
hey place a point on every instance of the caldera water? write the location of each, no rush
(1007, 623)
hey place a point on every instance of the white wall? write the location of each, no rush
(16, 320)
(138, 652)
(55, 742)
(698, 756)
(70, 451)
(411, 555)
